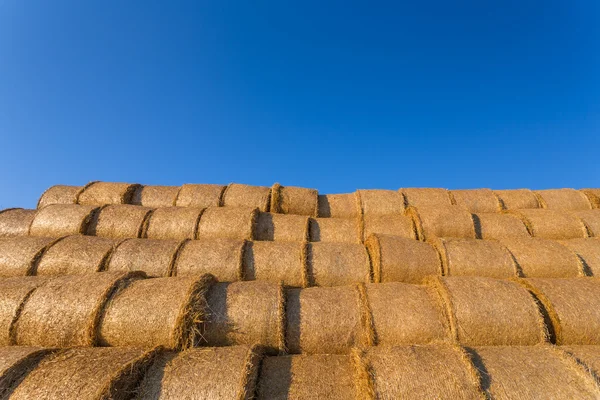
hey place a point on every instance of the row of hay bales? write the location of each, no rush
(245, 372)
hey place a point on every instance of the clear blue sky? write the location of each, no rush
(333, 95)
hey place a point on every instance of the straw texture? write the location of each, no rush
(426, 197)
(15, 362)
(477, 200)
(380, 202)
(337, 264)
(335, 230)
(175, 223)
(553, 224)
(102, 193)
(122, 221)
(154, 257)
(588, 251)
(155, 196)
(201, 196)
(74, 255)
(473, 257)
(589, 356)
(227, 222)
(277, 262)
(13, 294)
(563, 199)
(15, 222)
(593, 196)
(237, 195)
(491, 226)
(591, 219)
(19, 255)
(220, 257)
(280, 227)
(345, 205)
(517, 199)
(448, 221)
(61, 219)
(60, 194)
(294, 200)
(397, 225)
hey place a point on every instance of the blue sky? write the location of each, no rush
(334, 96)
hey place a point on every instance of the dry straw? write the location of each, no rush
(276, 262)
(200, 196)
(343, 205)
(219, 257)
(294, 200)
(591, 219)
(60, 194)
(588, 251)
(156, 312)
(65, 310)
(237, 195)
(227, 222)
(13, 294)
(499, 225)
(335, 230)
(211, 373)
(563, 199)
(552, 224)
(442, 221)
(175, 223)
(593, 196)
(15, 362)
(62, 219)
(155, 257)
(397, 225)
(15, 222)
(102, 193)
(426, 197)
(120, 221)
(20, 255)
(588, 356)
(477, 200)
(337, 264)
(280, 227)
(86, 374)
(155, 196)
(380, 202)
(74, 255)
(517, 199)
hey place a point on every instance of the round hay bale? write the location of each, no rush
(593, 196)
(15, 362)
(16, 222)
(20, 255)
(426, 197)
(245, 313)
(491, 312)
(294, 200)
(120, 221)
(155, 196)
(102, 193)
(60, 194)
(175, 223)
(563, 199)
(477, 200)
(380, 202)
(284, 262)
(335, 230)
(396, 225)
(281, 227)
(155, 257)
(65, 310)
(156, 312)
(588, 356)
(75, 255)
(216, 373)
(588, 251)
(337, 264)
(227, 222)
(345, 205)
(318, 376)
(397, 259)
(491, 226)
(14, 292)
(238, 195)
(447, 221)
(86, 374)
(407, 314)
(552, 224)
(221, 258)
(62, 219)
(591, 220)
(201, 196)
(517, 199)
(543, 258)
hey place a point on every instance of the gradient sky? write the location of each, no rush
(334, 96)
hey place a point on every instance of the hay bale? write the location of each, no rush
(20, 255)
(294, 200)
(593, 196)
(591, 220)
(475, 257)
(426, 197)
(86, 373)
(407, 314)
(319, 376)
(442, 221)
(245, 313)
(175, 223)
(588, 356)
(491, 312)
(155, 196)
(221, 258)
(155, 257)
(477, 200)
(156, 312)
(59, 194)
(517, 199)
(335, 230)
(201, 196)
(552, 224)
(491, 226)
(396, 225)
(75, 255)
(15, 362)
(563, 199)
(543, 258)
(65, 310)
(227, 222)
(344, 205)
(62, 219)
(380, 202)
(102, 193)
(120, 221)
(215, 373)
(337, 264)
(397, 259)
(281, 227)
(276, 262)
(588, 251)
(15, 222)
(14, 292)
(237, 195)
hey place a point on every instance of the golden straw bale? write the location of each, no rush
(227, 222)
(589, 356)
(65, 310)
(284, 227)
(20, 255)
(155, 196)
(120, 221)
(62, 219)
(337, 264)
(475, 257)
(16, 222)
(221, 258)
(499, 225)
(276, 262)
(563, 199)
(59, 194)
(238, 195)
(491, 312)
(477, 200)
(201, 196)
(335, 230)
(153, 256)
(397, 225)
(74, 255)
(442, 221)
(588, 251)
(102, 193)
(380, 202)
(175, 223)
(593, 196)
(517, 199)
(15, 363)
(294, 200)
(13, 294)
(397, 259)
(591, 220)
(156, 312)
(552, 224)
(426, 197)
(245, 313)
(344, 205)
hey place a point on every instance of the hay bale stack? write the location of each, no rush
(60, 194)
(237, 195)
(591, 220)
(276, 262)
(221, 258)
(102, 193)
(245, 313)
(20, 255)
(593, 196)
(335, 230)
(475, 257)
(281, 227)
(491, 312)
(75, 255)
(155, 257)
(155, 196)
(156, 312)
(563, 199)
(442, 221)
(175, 223)
(62, 219)
(517, 199)
(16, 222)
(227, 222)
(543, 258)
(211, 373)
(380, 202)
(201, 196)
(86, 374)
(477, 200)
(552, 224)
(491, 226)
(120, 221)
(14, 292)
(337, 264)
(65, 310)
(588, 251)
(426, 197)
(396, 225)
(588, 356)
(397, 259)
(344, 205)
(294, 200)
(407, 314)
(15, 362)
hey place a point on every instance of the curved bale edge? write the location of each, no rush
(154, 257)
(517, 199)
(200, 195)
(585, 355)
(221, 258)
(448, 221)
(337, 264)
(281, 227)
(394, 224)
(175, 223)
(563, 199)
(120, 221)
(103, 193)
(294, 200)
(61, 220)
(16, 222)
(552, 224)
(60, 194)
(345, 205)
(154, 196)
(275, 262)
(14, 293)
(227, 222)
(75, 254)
(588, 251)
(593, 196)
(490, 226)
(335, 230)
(15, 363)
(591, 220)
(426, 197)
(19, 256)
(477, 200)
(238, 195)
